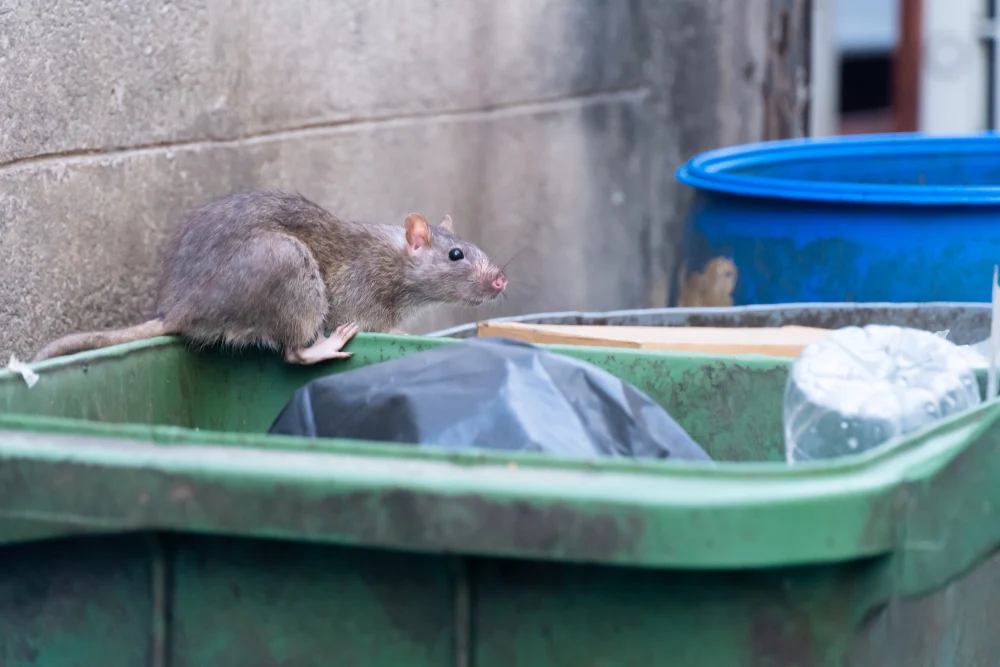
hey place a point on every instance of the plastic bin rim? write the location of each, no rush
(828, 505)
(711, 171)
(722, 469)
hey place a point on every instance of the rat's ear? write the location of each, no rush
(446, 224)
(418, 234)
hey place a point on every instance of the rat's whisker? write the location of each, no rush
(511, 260)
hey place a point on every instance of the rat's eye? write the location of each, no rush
(456, 254)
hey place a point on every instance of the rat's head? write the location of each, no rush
(445, 269)
(722, 274)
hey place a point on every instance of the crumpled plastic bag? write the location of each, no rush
(862, 386)
(490, 393)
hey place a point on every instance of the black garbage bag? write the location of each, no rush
(490, 393)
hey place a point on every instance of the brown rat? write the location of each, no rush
(274, 269)
(711, 288)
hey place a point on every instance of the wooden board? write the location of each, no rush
(777, 342)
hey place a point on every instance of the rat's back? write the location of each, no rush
(233, 219)
(212, 235)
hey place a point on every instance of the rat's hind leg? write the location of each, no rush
(324, 348)
(269, 292)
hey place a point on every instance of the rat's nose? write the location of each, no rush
(499, 283)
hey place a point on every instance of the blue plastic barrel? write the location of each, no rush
(891, 218)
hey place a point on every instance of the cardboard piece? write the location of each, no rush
(785, 341)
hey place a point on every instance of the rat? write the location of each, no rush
(276, 270)
(712, 288)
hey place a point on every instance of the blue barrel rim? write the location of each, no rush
(709, 171)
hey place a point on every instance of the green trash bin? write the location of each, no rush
(146, 520)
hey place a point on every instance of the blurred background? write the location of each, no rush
(550, 130)
(905, 65)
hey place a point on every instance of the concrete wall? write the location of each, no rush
(549, 127)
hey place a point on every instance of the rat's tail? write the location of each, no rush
(94, 340)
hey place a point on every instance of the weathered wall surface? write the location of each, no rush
(549, 128)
